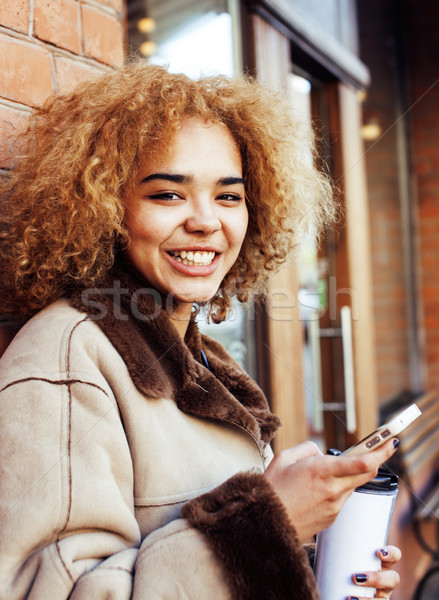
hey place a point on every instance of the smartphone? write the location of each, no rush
(382, 434)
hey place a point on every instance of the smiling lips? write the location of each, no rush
(196, 258)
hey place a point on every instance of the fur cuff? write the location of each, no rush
(247, 526)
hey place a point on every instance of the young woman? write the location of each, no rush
(135, 457)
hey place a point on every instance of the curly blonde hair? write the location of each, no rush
(62, 220)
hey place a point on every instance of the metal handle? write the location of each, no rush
(348, 368)
(314, 346)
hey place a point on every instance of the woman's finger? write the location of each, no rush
(301, 451)
(384, 581)
(389, 556)
(363, 463)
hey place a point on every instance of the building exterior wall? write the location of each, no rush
(377, 45)
(421, 20)
(399, 45)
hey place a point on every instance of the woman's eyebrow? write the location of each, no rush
(231, 181)
(167, 177)
(176, 178)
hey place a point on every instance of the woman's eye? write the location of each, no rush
(164, 196)
(230, 197)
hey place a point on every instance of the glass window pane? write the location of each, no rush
(203, 46)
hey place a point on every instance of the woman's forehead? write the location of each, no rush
(190, 138)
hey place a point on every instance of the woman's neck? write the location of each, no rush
(180, 317)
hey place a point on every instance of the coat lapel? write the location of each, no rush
(162, 365)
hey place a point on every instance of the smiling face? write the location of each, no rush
(186, 215)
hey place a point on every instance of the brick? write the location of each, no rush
(57, 22)
(15, 14)
(71, 72)
(102, 36)
(12, 123)
(26, 72)
(116, 4)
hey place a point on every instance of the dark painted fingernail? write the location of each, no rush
(333, 452)
(384, 552)
(361, 578)
(354, 598)
(395, 443)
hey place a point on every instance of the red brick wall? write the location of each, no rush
(419, 27)
(377, 46)
(422, 27)
(49, 46)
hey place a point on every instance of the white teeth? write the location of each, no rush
(194, 258)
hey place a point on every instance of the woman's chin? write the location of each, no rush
(194, 297)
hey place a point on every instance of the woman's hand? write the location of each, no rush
(386, 580)
(313, 487)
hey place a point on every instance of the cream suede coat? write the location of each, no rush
(130, 470)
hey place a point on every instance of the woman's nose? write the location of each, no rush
(202, 219)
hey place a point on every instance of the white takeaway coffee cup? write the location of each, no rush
(349, 545)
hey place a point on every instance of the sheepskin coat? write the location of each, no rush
(129, 469)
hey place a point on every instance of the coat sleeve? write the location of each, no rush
(68, 528)
(66, 501)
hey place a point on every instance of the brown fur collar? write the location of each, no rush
(133, 317)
